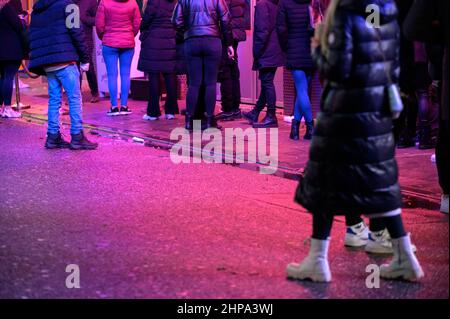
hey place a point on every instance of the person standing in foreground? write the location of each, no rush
(117, 23)
(294, 33)
(268, 56)
(205, 24)
(55, 50)
(352, 167)
(11, 55)
(159, 56)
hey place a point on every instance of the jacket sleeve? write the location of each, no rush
(88, 17)
(78, 39)
(336, 64)
(178, 18)
(149, 15)
(136, 19)
(225, 22)
(282, 26)
(262, 32)
(100, 20)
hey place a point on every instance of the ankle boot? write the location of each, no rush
(55, 141)
(309, 130)
(295, 128)
(270, 120)
(315, 266)
(404, 265)
(252, 116)
(425, 140)
(211, 122)
(80, 142)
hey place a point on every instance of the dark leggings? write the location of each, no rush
(8, 70)
(322, 224)
(203, 56)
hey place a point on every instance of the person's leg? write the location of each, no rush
(195, 73)
(92, 79)
(226, 87)
(357, 233)
(236, 81)
(443, 158)
(54, 102)
(2, 76)
(9, 73)
(111, 57)
(68, 77)
(154, 92)
(171, 105)
(212, 54)
(125, 60)
(298, 76)
(322, 224)
(267, 78)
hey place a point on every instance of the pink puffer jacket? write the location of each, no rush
(117, 22)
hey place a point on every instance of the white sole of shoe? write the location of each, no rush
(292, 272)
(402, 274)
(354, 241)
(378, 250)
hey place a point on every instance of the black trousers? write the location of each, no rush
(92, 78)
(203, 56)
(268, 95)
(8, 71)
(171, 105)
(230, 87)
(442, 155)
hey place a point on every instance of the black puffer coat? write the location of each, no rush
(267, 52)
(11, 28)
(237, 10)
(352, 168)
(294, 33)
(158, 35)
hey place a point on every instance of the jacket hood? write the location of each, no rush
(42, 5)
(388, 9)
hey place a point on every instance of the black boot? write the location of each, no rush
(212, 123)
(309, 130)
(425, 140)
(295, 128)
(270, 120)
(252, 116)
(80, 142)
(55, 141)
(189, 125)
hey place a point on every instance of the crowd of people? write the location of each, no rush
(351, 169)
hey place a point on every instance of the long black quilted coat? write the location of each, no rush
(351, 166)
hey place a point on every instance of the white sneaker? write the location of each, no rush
(8, 112)
(381, 243)
(444, 204)
(315, 266)
(170, 117)
(288, 119)
(357, 235)
(150, 118)
(404, 265)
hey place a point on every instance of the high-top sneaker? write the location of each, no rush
(356, 235)
(211, 123)
(269, 121)
(252, 116)
(80, 142)
(55, 141)
(315, 266)
(404, 265)
(295, 129)
(380, 242)
(309, 130)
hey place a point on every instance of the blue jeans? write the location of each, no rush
(69, 79)
(112, 56)
(302, 106)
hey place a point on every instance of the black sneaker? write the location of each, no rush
(224, 116)
(124, 110)
(237, 114)
(55, 141)
(113, 111)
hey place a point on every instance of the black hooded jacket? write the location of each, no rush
(294, 33)
(352, 167)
